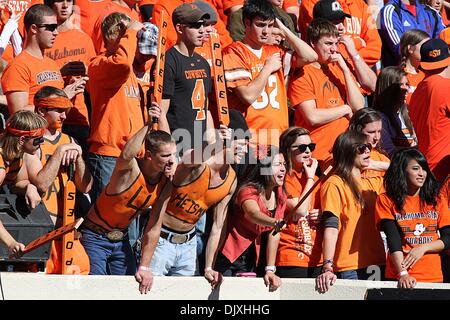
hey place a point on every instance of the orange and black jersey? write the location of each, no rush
(53, 198)
(190, 201)
(118, 210)
(12, 169)
(187, 83)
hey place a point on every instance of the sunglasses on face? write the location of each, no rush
(302, 147)
(361, 148)
(49, 26)
(196, 25)
(37, 141)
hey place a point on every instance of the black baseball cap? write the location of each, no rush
(329, 10)
(434, 54)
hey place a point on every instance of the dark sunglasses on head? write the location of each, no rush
(196, 25)
(302, 147)
(361, 148)
(49, 26)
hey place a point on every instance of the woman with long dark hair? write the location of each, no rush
(415, 219)
(368, 121)
(259, 204)
(300, 248)
(391, 89)
(410, 44)
(352, 246)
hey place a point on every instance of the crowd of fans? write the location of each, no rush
(182, 186)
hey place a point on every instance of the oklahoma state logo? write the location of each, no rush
(435, 53)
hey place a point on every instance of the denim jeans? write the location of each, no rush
(172, 259)
(363, 273)
(101, 169)
(107, 257)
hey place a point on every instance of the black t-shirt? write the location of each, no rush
(187, 83)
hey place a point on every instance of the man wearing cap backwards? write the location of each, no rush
(197, 187)
(53, 105)
(187, 80)
(358, 23)
(429, 108)
(254, 72)
(349, 47)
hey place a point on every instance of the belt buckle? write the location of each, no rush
(179, 238)
(115, 235)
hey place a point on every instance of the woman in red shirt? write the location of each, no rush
(415, 220)
(260, 202)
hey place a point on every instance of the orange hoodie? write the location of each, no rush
(116, 104)
(361, 27)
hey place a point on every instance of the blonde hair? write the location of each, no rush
(112, 26)
(21, 120)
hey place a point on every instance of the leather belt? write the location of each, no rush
(113, 235)
(177, 238)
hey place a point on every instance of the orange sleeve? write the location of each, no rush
(331, 196)
(16, 78)
(236, 71)
(383, 209)
(119, 64)
(371, 53)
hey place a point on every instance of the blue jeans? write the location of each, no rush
(107, 257)
(101, 170)
(360, 274)
(172, 259)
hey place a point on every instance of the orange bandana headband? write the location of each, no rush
(25, 133)
(53, 102)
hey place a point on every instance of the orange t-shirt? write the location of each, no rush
(89, 10)
(418, 225)
(102, 13)
(376, 156)
(117, 113)
(267, 117)
(429, 112)
(190, 201)
(27, 73)
(361, 27)
(301, 242)
(413, 80)
(73, 45)
(327, 89)
(359, 243)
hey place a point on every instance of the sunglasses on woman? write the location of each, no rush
(302, 147)
(361, 148)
